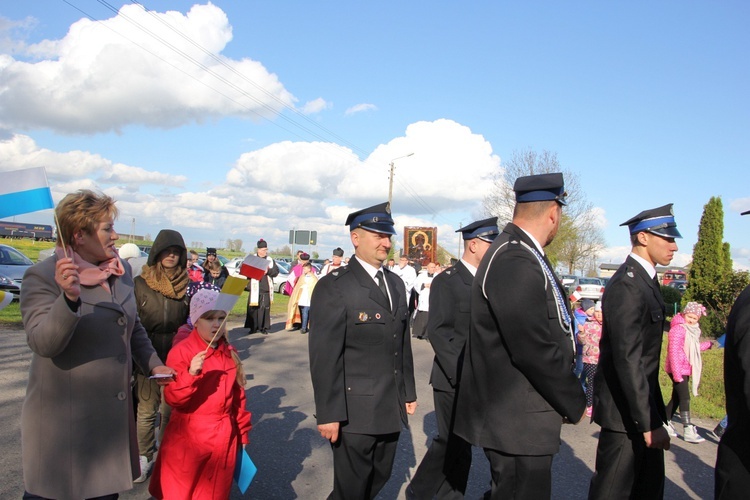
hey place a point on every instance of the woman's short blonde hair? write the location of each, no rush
(82, 211)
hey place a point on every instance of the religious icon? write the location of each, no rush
(420, 244)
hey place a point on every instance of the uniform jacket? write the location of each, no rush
(627, 397)
(77, 425)
(734, 442)
(209, 421)
(360, 352)
(448, 324)
(676, 362)
(517, 380)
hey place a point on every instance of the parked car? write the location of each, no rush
(233, 266)
(8, 285)
(589, 288)
(680, 285)
(13, 264)
(280, 279)
(568, 280)
(604, 280)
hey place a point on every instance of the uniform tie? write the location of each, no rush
(381, 284)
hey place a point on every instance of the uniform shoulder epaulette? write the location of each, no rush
(338, 272)
(630, 272)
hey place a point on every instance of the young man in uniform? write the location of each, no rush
(628, 403)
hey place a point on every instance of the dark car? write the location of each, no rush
(680, 285)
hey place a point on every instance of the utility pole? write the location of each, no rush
(390, 183)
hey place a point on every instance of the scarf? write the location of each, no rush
(91, 274)
(692, 349)
(172, 283)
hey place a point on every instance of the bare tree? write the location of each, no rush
(579, 239)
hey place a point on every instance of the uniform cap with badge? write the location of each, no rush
(541, 187)
(659, 221)
(376, 219)
(485, 230)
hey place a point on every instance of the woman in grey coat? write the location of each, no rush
(79, 312)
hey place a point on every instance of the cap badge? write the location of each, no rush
(374, 219)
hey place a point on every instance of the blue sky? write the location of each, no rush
(645, 101)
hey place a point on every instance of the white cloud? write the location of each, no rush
(108, 74)
(600, 217)
(316, 106)
(740, 205)
(21, 152)
(288, 185)
(450, 170)
(358, 108)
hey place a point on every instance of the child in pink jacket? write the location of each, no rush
(683, 362)
(589, 337)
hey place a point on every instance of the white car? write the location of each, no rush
(233, 266)
(589, 288)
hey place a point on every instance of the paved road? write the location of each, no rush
(295, 462)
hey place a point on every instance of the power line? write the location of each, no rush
(325, 141)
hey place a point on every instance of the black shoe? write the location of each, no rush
(303, 332)
(264, 332)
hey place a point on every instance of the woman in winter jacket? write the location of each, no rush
(163, 307)
(683, 362)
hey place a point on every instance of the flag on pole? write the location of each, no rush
(5, 299)
(244, 470)
(575, 297)
(24, 191)
(254, 267)
(230, 293)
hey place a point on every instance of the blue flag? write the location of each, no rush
(244, 470)
(24, 191)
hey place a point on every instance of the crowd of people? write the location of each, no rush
(514, 360)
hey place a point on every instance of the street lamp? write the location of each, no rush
(390, 184)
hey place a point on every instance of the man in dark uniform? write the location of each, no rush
(628, 404)
(258, 315)
(517, 383)
(361, 359)
(444, 470)
(732, 478)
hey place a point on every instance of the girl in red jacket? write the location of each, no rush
(209, 421)
(683, 362)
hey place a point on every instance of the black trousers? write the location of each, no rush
(732, 476)
(259, 317)
(626, 468)
(680, 397)
(444, 470)
(362, 464)
(518, 476)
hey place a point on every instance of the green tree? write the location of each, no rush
(711, 280)
(708, 266)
